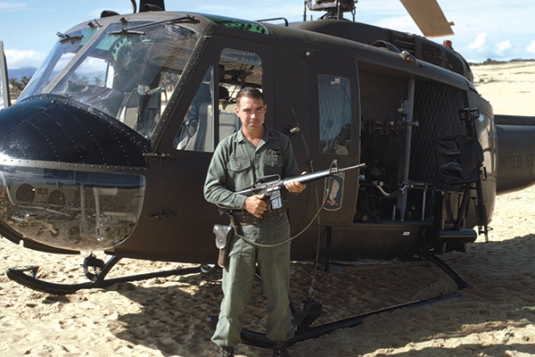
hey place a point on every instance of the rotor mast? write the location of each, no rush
(334, 8)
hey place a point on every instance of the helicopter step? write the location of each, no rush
(452, 235)
(27, 276)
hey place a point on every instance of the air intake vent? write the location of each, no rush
(403, 41)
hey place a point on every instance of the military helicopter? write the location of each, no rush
(108, 146)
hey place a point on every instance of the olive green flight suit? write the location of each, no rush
(235, 166)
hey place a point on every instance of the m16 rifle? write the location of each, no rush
(271, 185)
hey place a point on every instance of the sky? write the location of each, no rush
(499, 30)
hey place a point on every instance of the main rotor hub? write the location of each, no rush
(334, 8)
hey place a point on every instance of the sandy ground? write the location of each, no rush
(509, 87)
(494, 316)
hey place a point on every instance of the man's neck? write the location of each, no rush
(254, 136)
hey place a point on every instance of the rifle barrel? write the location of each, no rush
(306, 178)
(351, 167)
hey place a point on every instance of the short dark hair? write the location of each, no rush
(250, 92)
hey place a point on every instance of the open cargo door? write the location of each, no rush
(5, 101)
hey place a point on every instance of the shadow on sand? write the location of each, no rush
(501, 277)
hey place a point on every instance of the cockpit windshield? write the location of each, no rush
(64, 50)
(129, 72)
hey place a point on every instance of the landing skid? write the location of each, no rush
(260, 340)
(304, 332)
(27, 276)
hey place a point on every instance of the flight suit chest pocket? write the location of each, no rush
(239, 164)
(272, 161)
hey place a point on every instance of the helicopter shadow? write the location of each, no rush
(498, 301)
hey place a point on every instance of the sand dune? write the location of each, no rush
(494, 316)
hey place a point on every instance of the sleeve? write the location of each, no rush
(215, 186)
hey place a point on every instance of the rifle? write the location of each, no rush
(271, 185)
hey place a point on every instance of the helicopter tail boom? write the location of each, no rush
(516, 154)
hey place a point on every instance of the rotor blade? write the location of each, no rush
(429, 17)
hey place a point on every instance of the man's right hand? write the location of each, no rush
(255, 205)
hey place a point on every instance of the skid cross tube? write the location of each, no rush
(21, 276)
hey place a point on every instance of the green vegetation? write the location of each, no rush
(491, 61)
(16, 86)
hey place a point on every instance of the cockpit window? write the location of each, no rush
(129, 75)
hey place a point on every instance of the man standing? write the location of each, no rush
(238, 161)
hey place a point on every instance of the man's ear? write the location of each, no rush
(265, 108)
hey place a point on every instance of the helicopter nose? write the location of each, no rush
(67, 175)
(50, 128)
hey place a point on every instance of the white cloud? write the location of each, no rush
(9, 6)
(504, 49)
(20, 59)
(531, 47)
(479, 42)
(503, 46)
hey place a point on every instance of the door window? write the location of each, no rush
(335, 114)
(237, 69)
(196, 133)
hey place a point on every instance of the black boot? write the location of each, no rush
(227, 352)
(279, 349)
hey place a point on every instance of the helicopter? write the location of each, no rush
(107, 147)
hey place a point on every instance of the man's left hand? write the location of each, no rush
(296, 187)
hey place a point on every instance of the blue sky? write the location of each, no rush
(501, 30)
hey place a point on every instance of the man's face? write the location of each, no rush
(251, 113)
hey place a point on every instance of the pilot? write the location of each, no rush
(253, 152)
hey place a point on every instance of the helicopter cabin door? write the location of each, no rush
(334, 99)
(206, 116)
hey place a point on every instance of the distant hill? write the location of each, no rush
(491, 61)
(21, 72)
